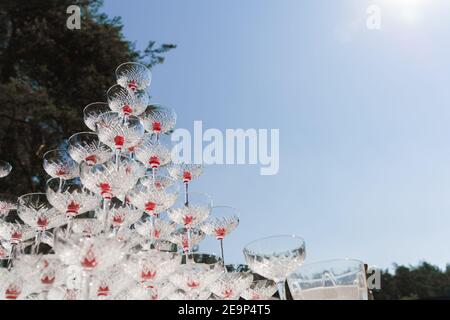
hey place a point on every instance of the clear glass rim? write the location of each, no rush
(130, 63)
(119, 115)
(330, 261)
(80, 133)
(116, 86)
(52, 150)
(93, 103)
(20, 199)
(292, 236)
(236, 212)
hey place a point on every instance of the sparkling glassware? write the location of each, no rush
(162, 290)
(119, 133)
(153, 154)
(58, 164)
(151, 267)
(92, 111)
(86, 147)
(260, 290)
(185, 172)
(108, 283)
(87, 227)
(134, 76)
(50, 273)
(12, 284)
(71, 198)
(160, 230)
(193, 278)
(127, 102)
(180, 238)
(36, 211)
(340, 279)
(5, 169)
(123, 215)
(91, 254)
(14, 235)
(153, 199)
(111, 179)
(7, 204)
(275, 258)
(191, 214)
(158, 119)
(222, 221)
(230, 285)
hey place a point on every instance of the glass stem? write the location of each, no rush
(105, 215)
(12, 255)
(69, 226)
(37, 242)
(86, 285)
(186, 194)
(223, 258)
(154, 174)
(152, 232)
(60, 185)
(117, 157)
(281, 289)
(188, 232)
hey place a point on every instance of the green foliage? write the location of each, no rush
(424, 281)
(48, 73)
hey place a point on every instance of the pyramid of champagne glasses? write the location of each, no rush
(117, 219)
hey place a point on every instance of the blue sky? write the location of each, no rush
(363, 116)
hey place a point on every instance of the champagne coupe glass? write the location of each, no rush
(222, 221)
(50, 273)
(160, 230)
(158, 119)
(339, 279)
(87, 227)
(134, 76)
(127, 102)
(154, 195)
(193, 278)
(151, 267)
(58, 164)
(92, 111)
(91, 254)
(15, 234)
(36, 211)
(153, 154)
(192, 214)
(12, 284)
(162, 290)
(275, 258)
(185, 172)
(230, 285)
(5, 169)
(260, 290)
(108, 283)
(86, 147)
(71, 198)
(180, 238)
(7, 204)
(113, 178)
(123, 215)
(116, 132)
